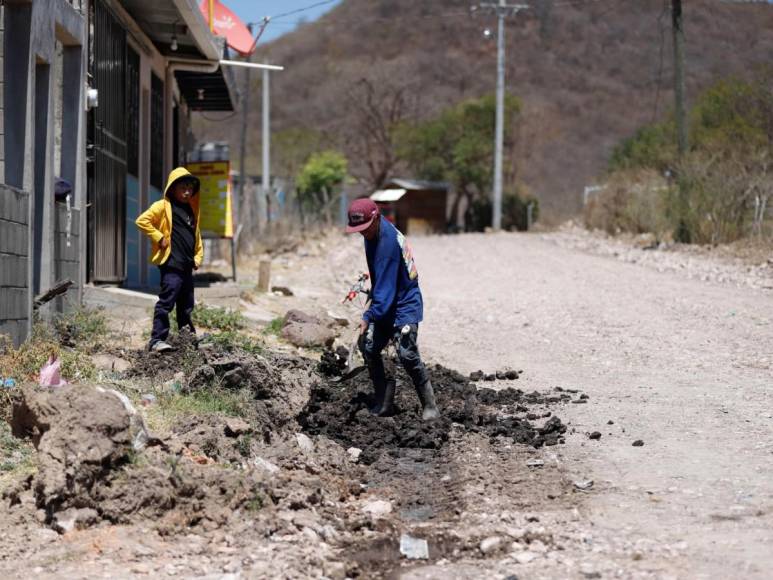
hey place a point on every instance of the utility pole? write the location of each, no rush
(245, 120)
(266, 185)
(503, 10)
(679, 92)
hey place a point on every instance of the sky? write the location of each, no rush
(255, 10)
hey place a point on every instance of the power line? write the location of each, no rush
(299, 10)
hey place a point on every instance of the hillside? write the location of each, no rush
(589, 73)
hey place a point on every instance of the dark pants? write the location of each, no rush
(176, 291)
(407, 352)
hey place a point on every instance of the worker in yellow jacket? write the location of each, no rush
(172, 224)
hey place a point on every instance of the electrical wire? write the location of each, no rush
(299, 10)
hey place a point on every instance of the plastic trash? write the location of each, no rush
(148, 399)
(8, 383)
(50, 373)
(414, 548)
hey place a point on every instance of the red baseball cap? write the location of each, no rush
(362, 212)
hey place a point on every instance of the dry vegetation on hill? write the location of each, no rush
(589, 73)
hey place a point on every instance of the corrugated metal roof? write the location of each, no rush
(387, 195)
(417, 184)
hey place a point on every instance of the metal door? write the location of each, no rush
(107, 148)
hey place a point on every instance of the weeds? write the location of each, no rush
(83, 328)
(255, 503)
(15, 455)
(274, 327)
(214, 318)
(244, 444)
(24, 363)
(230, 340)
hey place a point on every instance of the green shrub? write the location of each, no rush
(275, 326)
(632, 201)
(514, 212)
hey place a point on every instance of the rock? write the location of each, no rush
(335, 570)
(378, 508)
(583, 485)
(265, 465)
(511, 375)
(234, 427)
(414, 548)
(638, 443)
(525, 557)
(283, 290)
(354, 453)
(110, 363)
(515, 533)
(490, 377)
(610, 422)
(233, 379)
(300, 317)
(308, 334)
(339, 319)
(595, 435)
(304, 442)
(477, 376)
(74, 519)
(490, 545)
(500, 375)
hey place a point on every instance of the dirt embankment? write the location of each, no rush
(306, 462)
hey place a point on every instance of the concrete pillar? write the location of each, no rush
(17, 61)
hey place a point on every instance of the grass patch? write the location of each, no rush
(24, 363)
(275, 326)
(84, 328)
(230, 340)
(16, 456)
(213, 318)
(170, 407)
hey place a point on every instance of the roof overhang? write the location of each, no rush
(207, 91)
(388, 195)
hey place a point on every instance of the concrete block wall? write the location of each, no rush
(2, 128)
(14, 263)
(67, 257)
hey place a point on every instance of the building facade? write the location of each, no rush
(95, 97)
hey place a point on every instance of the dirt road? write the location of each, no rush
(683, 365)
(614, 341)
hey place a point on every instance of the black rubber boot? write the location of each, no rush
(427, 398)
(379, 388)
(387, 407)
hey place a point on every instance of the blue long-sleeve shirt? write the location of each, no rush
(396, 298)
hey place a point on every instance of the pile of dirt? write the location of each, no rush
(278, 383)
(97, 463)
(340, 411)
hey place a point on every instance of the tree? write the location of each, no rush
(378, 108)
(321, 174)
(458, 147)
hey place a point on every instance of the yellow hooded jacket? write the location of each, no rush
(156, 222)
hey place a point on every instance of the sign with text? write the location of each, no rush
(215, 207)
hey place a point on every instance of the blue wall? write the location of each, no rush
(133, 209)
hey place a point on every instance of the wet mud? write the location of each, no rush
(340, 411)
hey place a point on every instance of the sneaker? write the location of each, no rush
(161, 346)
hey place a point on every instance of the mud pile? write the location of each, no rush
(340, 411)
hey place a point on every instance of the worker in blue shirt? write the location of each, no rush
(395, 311)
